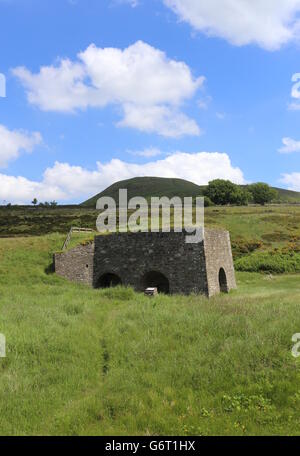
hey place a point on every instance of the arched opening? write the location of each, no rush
(109, 280)
(157, 280)
(223, 281)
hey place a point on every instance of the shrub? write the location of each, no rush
(273, 262)
(242, 247)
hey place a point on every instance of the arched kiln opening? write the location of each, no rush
(109, 280)
(155, 279)
(223, 281)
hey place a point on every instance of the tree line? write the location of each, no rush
(45, 204)
(224, 192)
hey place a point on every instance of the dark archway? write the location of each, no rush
(109, 280)
(154, 279)
(223, 281)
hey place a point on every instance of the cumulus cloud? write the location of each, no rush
(19, 190)
(266, 23)
(292, 181)
(65, 182)
(149, 87)
(289, 146)
(159, 119)
(14, 142)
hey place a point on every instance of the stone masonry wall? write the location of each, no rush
(218, 254)
(76, 264)
(189, 268)
(131, 256)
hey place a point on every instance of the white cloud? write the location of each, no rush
(292, 181)
(266, 23)
(65, 182)
(159, 119)
(60, 89)
(13, 142)
(289, 146)
(149, 87)
(20, 190)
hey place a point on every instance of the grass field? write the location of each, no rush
(263, 238)
(99, 362)
(273, 226)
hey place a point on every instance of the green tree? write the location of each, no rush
(262, 193)
(34, 201)
(240, 196)
(224, 192)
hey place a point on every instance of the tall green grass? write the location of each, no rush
(113, 362)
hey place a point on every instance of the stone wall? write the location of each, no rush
(76, 264)
(131, 256)
(218, 254)
(186, 268)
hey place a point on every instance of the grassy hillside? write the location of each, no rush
(271, 227)
(157, 186)
(287, 196)
(147, 187)
(111, 362)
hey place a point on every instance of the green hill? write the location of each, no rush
(159, 186)
(288, 195)
(148, 187)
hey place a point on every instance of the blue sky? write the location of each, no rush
(98, 91)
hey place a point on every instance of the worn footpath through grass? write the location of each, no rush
(99, 362)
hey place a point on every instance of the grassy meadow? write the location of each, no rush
(113, 362)
(264, 239)
(273, 226)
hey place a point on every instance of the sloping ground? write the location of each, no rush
(263, 238)
(147, 187)
(287, 196)
(112, 362)
(250, 227)
(158, 186)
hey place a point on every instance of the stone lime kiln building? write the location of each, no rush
(162, 260)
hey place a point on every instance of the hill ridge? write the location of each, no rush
(148, 187)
